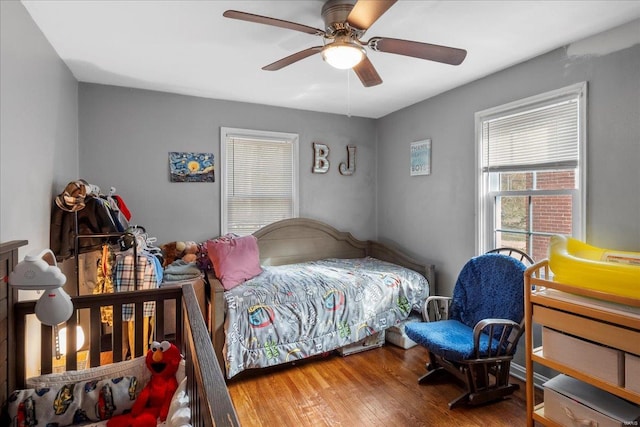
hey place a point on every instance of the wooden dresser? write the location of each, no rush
(606, 322)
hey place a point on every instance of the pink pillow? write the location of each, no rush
(234, 259)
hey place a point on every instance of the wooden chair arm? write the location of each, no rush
(487, 327)
(436, 308)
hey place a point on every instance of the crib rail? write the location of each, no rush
(210, 401)
(209, 397)
(97, 346)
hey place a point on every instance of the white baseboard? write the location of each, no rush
(520, 372)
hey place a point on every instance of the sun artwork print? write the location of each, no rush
(191, 167)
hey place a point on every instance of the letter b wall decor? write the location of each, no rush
(321, 160)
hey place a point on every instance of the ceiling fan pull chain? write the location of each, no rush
(348, 93)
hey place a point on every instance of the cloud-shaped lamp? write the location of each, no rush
(41, 272)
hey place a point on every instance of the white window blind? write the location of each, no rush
(531, 170)
(260, 184)
(542, 138)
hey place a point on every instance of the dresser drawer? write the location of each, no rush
(588, 328)
(632, 372)
(570, 402)
(600, 361)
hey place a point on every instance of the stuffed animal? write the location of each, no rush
(170, 253)
(190, 253)
(203, 262)
(154, 400)
(186, 251)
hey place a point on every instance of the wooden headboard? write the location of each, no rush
(8, 260)
(302, 239)
(297, 240)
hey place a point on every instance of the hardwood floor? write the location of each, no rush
(377, 387)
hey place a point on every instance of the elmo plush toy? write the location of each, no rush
(153, 401)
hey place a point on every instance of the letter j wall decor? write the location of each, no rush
(191, 167)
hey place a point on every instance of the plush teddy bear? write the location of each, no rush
(186, 251)
(190, 253)
(180, 247)
(163, 360)
(170, 253)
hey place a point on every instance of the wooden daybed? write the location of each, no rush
(300, 240)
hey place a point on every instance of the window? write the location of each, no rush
(259, 179)
(531, 171)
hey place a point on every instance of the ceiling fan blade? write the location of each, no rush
(431, 52)
(367, 73)
(366, 12)
(292, 58)
(244, 16)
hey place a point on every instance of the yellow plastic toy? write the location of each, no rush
(576, 263)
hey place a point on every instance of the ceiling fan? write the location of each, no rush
(346, 21)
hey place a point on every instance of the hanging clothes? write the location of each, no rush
(122, 223)
(104, 282)
(95, 217)
(122, 207)
(125, 275)
(125, 281)
(88, 264)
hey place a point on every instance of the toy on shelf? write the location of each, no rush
(578, 264)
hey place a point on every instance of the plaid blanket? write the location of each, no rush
(124, 281)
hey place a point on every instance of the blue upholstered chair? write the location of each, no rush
(474, 334)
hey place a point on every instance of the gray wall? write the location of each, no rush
(126, 135)
(438, 220)
(438, 211)
(38, 128)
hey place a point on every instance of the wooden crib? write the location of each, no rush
(210, 403)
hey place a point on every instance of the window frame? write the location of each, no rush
(259, 135)
(485, 196)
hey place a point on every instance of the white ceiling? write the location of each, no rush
(188, 47)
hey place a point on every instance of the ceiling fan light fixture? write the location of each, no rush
(343, 55)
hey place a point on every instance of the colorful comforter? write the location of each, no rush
(295, 311)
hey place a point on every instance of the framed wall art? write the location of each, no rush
(421, 157)
(191, 167)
